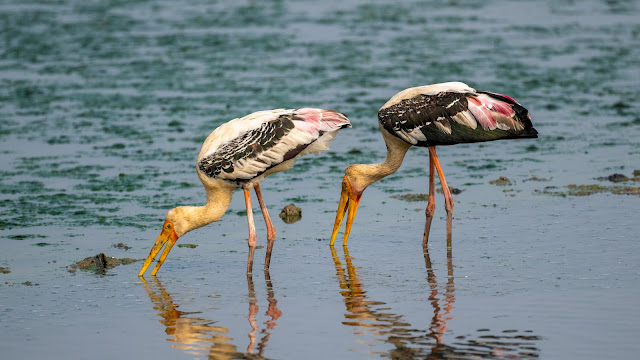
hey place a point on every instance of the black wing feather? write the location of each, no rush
(249, 145)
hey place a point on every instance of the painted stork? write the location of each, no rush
(440, 114)
(240, 154)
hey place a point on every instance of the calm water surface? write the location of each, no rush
(104, 106)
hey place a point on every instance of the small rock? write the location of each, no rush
(121, 246)
(501, 181)
(617, 178)
(100, 263)
(291, 214)
(452, 190)
(4, 270)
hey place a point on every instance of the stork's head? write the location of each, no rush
(171, 230)
(349, 200)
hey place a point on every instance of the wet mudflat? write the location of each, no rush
(104, 106)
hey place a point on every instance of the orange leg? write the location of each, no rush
(271, 231)
(448, 200)
(253, 238)
(431, 204)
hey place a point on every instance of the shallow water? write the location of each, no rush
(104, 106)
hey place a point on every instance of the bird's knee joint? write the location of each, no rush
(430, 210)
(448, 204)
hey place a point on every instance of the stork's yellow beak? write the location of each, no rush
(167, 236)
(349, 200)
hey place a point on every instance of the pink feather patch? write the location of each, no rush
(481, 113)
(309, 114)
(311, 120)
(496, 105)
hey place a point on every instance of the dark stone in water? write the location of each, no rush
(501, 181)
(291, 214)
(99, 263)
(617, 178)
(452, 190)
(122, 245)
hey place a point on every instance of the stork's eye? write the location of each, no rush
(168, 226)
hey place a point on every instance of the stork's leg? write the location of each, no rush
(448, 200)
(253, 239)
(271, 231)
(431, 203)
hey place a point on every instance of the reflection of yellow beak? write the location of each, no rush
(349, 200)
(167, 236)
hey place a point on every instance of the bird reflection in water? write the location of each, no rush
(440, 315)
(375, 318)
(199, 336)
(272, 311)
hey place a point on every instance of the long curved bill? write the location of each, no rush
(167, 236)
(349, 201)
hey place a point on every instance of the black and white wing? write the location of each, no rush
(247, 149)
(453, 113)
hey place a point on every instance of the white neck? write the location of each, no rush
(362, 175)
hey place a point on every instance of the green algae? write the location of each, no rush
(586, 190)
(25, 236)
(188, 246)
(43, 244)
(411, 197)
